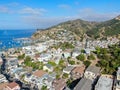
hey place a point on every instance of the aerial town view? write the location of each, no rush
(59, 44)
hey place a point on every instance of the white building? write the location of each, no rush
(104, 83)
(3, 79)
(57, 59)
(28, 48)
(68, 69)
(11, 63)
(41, 47)
(29, 53)
(118, 79)
(75, 53)
(67, 53)
(45, 57)
(28, 78)
(36, 77)
(48, 67)
(92, 72)
(84, 84)
(17, 73)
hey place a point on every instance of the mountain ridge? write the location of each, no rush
(81, 28)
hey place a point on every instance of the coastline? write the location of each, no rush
(11, 39)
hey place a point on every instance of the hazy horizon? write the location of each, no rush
(31, 14)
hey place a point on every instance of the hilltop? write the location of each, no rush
(80, 29)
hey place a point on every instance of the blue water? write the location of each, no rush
(7, 37)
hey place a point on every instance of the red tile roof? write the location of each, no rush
(39, 73)
(59, 84)
(79, 70)
(3, 85)
(12, 85)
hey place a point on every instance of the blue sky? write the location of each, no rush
(33, 14)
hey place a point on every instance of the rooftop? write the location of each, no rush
(39, 73)
(93, 69)
(12, 85)
(118, 73)
(9, 59)
(84, 84)
(68, 68)
(1, 59)
(59, 84)
(2, 85)
(1, 76)
(104, 83)
(48, 65)
(78, 69)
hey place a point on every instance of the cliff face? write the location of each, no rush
(81, 29)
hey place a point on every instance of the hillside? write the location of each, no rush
(80, 29)
(106, 29)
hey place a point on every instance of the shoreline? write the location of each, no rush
(12, 39)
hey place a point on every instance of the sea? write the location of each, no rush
(12, 38)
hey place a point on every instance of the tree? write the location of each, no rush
(57, 76)
(97, 50)
(62, 63)
(65, 75)
(91, 57)
(82, 51)
(81, 57)
(66, 45)
(44, 88)
(109, 59)
(69, 81)
(58, 69)
(21, 56)
(72, 62)
(27, 61)
(103, 51)
(28, 58)
(87, 63)
(52, 63)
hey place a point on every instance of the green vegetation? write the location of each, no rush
(27, 60)
(61, 63)
(71, 62)
(63, 46)
(65, 76)
(34, 65)
(91, 57)
(66, 45)
(57, 76)
(17, 51)
(86, 63)
(80, 28)
(58, 68)
(94, 33)
(114, 28)
(44, 88)
(21, 56)
(69, 81)
(81, 57)
(82, 51)
(109, 59)
(52, 63)
(109, 28)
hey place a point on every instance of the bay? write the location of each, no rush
(7, 38)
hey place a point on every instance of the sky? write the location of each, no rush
(34, 14)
